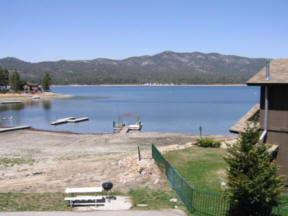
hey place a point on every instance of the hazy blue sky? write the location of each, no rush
(38, 30)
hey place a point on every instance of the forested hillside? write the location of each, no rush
(166, 67)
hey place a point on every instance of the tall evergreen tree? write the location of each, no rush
(253, 183)
(46, 82)
(15, 81)
(4, 77)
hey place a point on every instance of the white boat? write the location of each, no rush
(62, 121)
(7, 118)
(36, 97)
(137, 126)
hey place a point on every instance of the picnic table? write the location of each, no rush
(85, 199)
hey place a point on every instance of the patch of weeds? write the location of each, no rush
(73, 157)
(10, 162)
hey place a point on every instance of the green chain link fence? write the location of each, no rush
(199, 202)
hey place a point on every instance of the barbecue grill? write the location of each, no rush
(107, 186)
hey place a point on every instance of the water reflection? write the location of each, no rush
(46, 104)
(12, 114)
(16, 106)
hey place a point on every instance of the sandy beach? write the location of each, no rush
(24, 97)
(43, 161)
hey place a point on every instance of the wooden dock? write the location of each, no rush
(62, 121)
(69, 120)
(124, 130)
(2, 130)
(78, 120)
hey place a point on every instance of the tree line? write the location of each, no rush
(11, 81)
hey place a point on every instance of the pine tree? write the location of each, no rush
(4, 77)
(15, 81)
(253, 183)
(46, 82)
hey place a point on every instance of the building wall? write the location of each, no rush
(280, 139)
(277, 121)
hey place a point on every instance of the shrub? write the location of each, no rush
(253, 183)
(208, 142)
(3, 91)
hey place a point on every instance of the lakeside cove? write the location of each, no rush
(214, 108)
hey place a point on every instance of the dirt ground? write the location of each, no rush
(42, 161)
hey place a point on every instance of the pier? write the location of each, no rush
(2, 130)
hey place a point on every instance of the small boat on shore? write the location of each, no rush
(36, 97)
(137, 126)
(62, 121)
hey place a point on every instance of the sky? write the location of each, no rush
(50, 30)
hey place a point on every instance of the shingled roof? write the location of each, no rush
(278, 74)
(247, 120)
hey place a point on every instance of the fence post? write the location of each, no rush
(139, 154)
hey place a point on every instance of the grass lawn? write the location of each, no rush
(33, 202)
(203, 168)
(155, 199)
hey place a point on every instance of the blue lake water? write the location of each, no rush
(180, 109)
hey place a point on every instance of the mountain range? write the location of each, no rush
(165, 67)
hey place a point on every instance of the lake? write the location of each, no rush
(179, 109)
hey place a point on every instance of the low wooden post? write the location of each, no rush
(139, 154)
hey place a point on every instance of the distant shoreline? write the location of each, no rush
(151, 85)
(23, 97)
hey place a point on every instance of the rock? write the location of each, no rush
(142, 205)
(141, 170)
(37, 173)
(174, 200)
(223, 185)
(156, 181)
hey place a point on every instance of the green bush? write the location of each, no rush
(3, 91)
(207, 142)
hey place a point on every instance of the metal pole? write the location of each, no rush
(200, 130)
(267, 69)
(266, 104)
